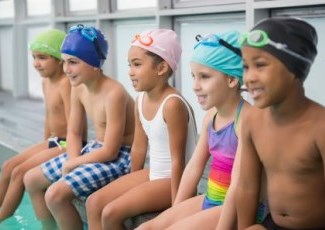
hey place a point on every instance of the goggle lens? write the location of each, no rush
(144, 40)
(214, 41)
(259, 38)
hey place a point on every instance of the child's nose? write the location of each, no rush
(249, 76)
(196, 85)
(131, 72)
(36, 63)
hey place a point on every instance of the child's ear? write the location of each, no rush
(232, 82)
(163, 68)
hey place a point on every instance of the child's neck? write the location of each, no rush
(57, 76)
(157, 93)
(228, 109)
(291, 107)
(95, 82)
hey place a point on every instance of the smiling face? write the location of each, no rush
(143, 71)
(46, 65)
(267, 79)
(210, 86)
(77, 70)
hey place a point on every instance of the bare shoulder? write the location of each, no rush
(175, 110)
(249, 115)
(316, 116)
(65, 85)
(65, 82)
(175, 104)
(113, 89)
(317, 111)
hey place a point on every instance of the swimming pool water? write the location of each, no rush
(23, 219)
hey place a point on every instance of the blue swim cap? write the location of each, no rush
(221, 53)
(86, 43)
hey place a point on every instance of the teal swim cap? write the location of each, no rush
(48, 42)
(221, 53)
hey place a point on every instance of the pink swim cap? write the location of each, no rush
(163, 42)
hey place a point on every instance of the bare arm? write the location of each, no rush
(320, 140)
(248, 189)
(194, 169)
(65, 93)
(140, 144)
(176, 117)
(47, 132)
(77, 118)
(228, 214)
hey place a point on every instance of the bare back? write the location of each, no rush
(293, 156)
(110, 104)
(57, 105)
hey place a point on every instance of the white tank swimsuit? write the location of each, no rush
(158, 140)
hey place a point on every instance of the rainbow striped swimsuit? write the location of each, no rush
(222, 147)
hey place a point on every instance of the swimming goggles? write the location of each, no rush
(214, 40)
(144, 40)
(90, 34)
(259, 38)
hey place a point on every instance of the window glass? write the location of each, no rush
(131, 4)
(6, 64)
(188, 31)
(38, 7)
(124, 34)
(7, 9)
(191, 3)
(84, 5)
(315, 80)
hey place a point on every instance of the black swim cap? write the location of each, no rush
(298, 36)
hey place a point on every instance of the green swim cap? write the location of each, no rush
(48, 42)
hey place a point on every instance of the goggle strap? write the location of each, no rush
(230, 47)
(102, 56)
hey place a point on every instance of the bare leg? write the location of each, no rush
(9, 165)
(58, 199)
(16, 187)
(146, 197)
(207, 219)
(175, 214)
(36, 185)
(256, 227)
(97, 201)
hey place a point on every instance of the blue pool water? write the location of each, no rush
(23, 219)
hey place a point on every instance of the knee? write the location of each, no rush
(94, 205)
(18, 173)
(6, 169)
(149, 225)
(30, 180)
(54, 195)
(110, 214)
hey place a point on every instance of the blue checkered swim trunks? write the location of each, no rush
(88, 178)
